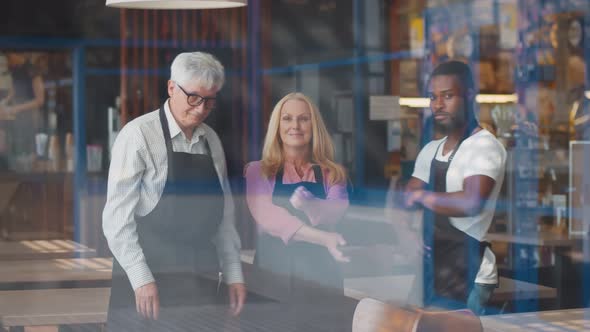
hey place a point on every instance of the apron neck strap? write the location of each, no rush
(166, 130)
(468, 132)
(279, 176)
(168, 139)
(452, 152)
(317, 172)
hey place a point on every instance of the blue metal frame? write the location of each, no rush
(522, 271)
(79, 93)
(254, 77)
(39, 43)
(163, 72)
(359, 92)
(586, 241)
(357, 60)
(80, 72)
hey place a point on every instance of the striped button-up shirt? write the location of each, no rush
(137, 176)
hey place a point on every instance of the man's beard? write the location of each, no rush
(457, 122)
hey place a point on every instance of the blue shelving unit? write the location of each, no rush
(77, 47)
(80, 73)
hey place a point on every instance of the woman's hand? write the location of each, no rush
(301, 198)
(332, 241)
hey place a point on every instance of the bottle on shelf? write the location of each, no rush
(69, 147)
(53, 154)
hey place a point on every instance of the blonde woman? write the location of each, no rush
(296, 194)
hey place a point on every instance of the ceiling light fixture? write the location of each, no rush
(420, 102)
(176, 4)
(496, 98)
(414, 102)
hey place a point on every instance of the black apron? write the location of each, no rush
(307, 273)
(297, 261)
(451, 269)
(177, 240)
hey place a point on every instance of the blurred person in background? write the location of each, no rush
(6, 94)
(23, 108)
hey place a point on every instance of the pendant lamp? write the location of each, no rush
(176, 4)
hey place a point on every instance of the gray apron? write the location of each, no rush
(176, 238)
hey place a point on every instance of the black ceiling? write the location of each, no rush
(58, 18)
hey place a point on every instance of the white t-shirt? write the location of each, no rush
(479, 154)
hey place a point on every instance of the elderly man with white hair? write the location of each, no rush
(169, 215)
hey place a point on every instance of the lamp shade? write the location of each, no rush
(176, 4)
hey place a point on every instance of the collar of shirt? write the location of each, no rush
(291, 176)
(175, 129)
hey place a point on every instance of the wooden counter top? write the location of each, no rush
(56, 270)
(43, 249)
(53, 306)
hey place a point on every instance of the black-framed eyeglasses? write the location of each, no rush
(196, 100)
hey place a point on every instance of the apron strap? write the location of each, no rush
(166, 131)
(168, 139)
(317, 172)
(468, 132)
(279, 176)
(452, 152)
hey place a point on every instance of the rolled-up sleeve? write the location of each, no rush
(118, 218)
(269, 218)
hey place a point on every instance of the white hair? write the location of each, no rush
(202, 68)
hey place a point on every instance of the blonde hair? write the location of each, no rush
(322, 147)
